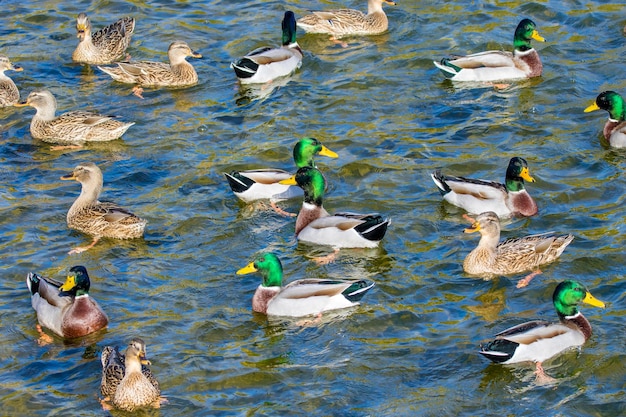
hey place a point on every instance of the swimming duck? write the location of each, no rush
(539, 340)
(9, 94)
(341, 230)
(346, 22)
(615, 127)
(265, 64)
(178, 73)
(99, 218)
(124, 379)
(302, 297)
(114, 367)
(476, 196)
(66, 308)
(524, 62)
(259, 184)
(512, 256)
(74, 127)
(104, 46)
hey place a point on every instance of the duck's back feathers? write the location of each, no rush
(104, 46)
(348, 22)
(106, 219)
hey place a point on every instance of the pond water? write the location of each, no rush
(411, 347)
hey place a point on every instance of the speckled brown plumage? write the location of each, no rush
(135, 389)
(113, 367)
(492, 258)
(346, 22)
(98, 218)
(71, 127)
(177, 73)
(9, 94)
(104, 46)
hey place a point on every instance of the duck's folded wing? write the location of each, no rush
(266, 56)
(494, 59)
(48, 289)
(532, 331)
(267, 175)
(312, 287)
(482, 189)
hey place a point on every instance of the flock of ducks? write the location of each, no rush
(66, 308)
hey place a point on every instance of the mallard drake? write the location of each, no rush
(104, 46)
(476, 196)
(524, 62)
(266, 63)
(260, 184)
(512, 256)
(114, 367)
(539, 340)
(346, 22)
(302, 297)
(125, 380)
(74, 127)
(341, 230)
(615, 127)
(66, 308)
(99, 218)
(9, 94)
(178, 73)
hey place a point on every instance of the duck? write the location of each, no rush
(9, 94)
(126, 382)
(66, 307)
(265, 64)
(99, 218)
(523, 62)
(302, 297)
(104, 46)
(476, 196)
(348, 22)
(114, 367)
(178, 73)
(75, 127)
(615, 127)
(539, 340)
(512, 256)
(258, 184)
(340, 230)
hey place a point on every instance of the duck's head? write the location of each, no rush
(526, 31)
(140, 345)
(39, 99)
(305, 150)
(486, 223)
(83, 26)
(135, 357)
(516, 173)
(289, 28)
(179, 50)
(87, 174)
(5, 65)
(312, 181)
(612, 102)
(568, 294)
(270, 268)
(77, 282)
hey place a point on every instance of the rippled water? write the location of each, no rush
(411, 347)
